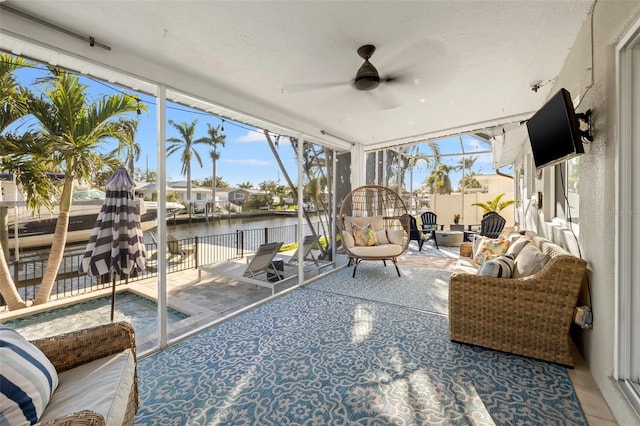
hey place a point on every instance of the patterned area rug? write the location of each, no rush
(416, 288)
(317, 358)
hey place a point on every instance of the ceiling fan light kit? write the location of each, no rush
(367, 77)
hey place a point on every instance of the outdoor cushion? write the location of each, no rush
(390, 236)
(381, 237)
(364, 235)
(517, 245)
(28, 379)
(490, 248)
(529, 261)
(395, 236)
(377, 223)
(380, 251)
(348, 239)
(500, 267)
(102, 385)
(465, 265)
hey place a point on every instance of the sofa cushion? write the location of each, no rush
(517, 245)
(364, 235)
(381, 237)
(377, 222)
(390, 236)
(465, 265)
(379, 251)
(102, 386)
(529, 261)
(348, 240)
(500, 267)
(490, 248)
(28, 379)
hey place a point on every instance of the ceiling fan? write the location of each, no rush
(367, 77)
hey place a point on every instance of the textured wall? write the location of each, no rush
(596, 90)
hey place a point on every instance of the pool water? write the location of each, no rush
(140, 311)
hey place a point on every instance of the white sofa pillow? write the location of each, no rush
(517, 245)
(529, 261)
(28, 379)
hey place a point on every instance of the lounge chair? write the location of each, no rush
(176, 248)
(259, 270)
(308, 243)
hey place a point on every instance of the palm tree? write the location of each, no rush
(23, 155)
(133, 150)
(468, 178)
(246, 185)
(439, 181)
(76, 128)
(185, 145)
(216, 137)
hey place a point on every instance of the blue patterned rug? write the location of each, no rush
(317, 358)
(416, 288)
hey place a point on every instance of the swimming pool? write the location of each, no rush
(140, 311)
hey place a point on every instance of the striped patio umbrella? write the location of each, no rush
(116, 245)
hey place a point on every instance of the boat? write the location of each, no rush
(37, 231)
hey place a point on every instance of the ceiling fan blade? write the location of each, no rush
(383, 99)
(305, 87)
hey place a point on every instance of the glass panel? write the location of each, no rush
(445, 176)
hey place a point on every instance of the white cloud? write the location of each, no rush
(248, 162)
(253, 136)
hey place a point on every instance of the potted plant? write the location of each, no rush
(456, 226)
(495, 205)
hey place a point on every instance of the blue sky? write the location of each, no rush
(246, 155)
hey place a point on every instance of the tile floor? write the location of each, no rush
(208, 304)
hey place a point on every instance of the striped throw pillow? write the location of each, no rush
(27, 379)
(500, 267)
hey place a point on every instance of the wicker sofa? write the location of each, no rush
(97, 376)
(529, 316)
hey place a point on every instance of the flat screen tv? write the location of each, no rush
(554, 131)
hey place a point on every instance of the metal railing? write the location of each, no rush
(187, 253)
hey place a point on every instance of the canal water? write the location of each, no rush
(226, 226)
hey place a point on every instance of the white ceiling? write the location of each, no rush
(466, 64)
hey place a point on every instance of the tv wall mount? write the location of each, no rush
(584, 124)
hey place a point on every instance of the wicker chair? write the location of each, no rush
(529, 316)
(387, 213)
(70, 350)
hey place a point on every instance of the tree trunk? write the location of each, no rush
(4, 230)
(55, 259)
(57, 245)
(8, 287)
(287, 178)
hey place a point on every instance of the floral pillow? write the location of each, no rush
(489, 249)
(364, 235)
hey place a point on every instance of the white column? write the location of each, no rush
(161, 185)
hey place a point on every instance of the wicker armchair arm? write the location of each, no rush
(69, 350)
(81, 418)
